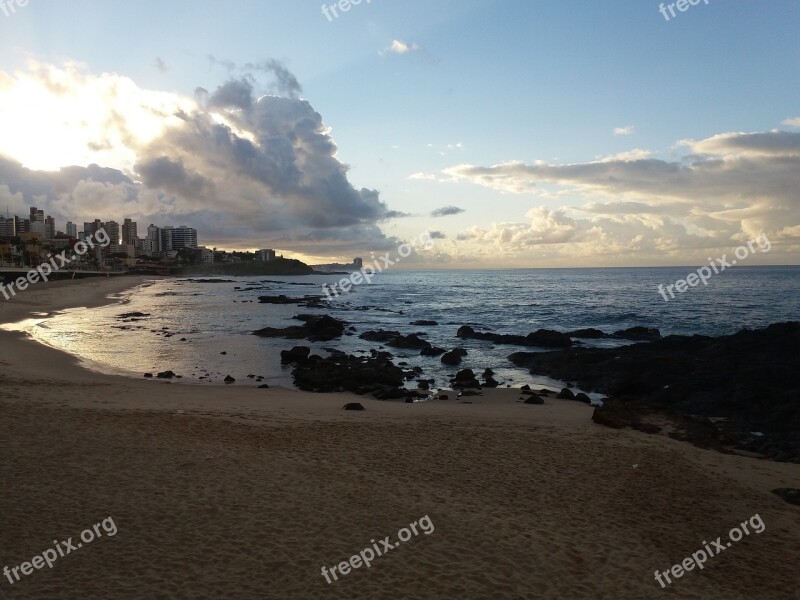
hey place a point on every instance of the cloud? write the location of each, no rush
(286, 82)
(729, 189)
(423, 176)
(242, 166)
(437, 235)
(628, 156)
(628, 130)
(447, 211)
(398, 47)
(773, 143)
(795, 122)
(160, 64)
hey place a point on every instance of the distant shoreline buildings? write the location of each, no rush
(333, 267)
(23, 241)
(126, 248)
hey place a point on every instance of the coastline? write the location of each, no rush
(246, 493)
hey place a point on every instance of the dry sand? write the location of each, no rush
(237, 493)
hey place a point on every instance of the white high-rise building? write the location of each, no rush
(179, 237)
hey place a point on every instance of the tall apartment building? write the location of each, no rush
(265, 255)
(175, 238)
(37, 222)
(8, 227)
(151, 245)
(129, 233)
(112, 230)
(72, 230)
(49, 228)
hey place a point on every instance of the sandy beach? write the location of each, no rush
(247, 493)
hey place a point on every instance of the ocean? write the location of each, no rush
(217, 318)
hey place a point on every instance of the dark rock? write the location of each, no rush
(525, 387)
(379, 336)
(534, 399)
(133, 315)
(432, 351)
(316, 328)
(296, 354)
(465, 379)
(412, 341)
(791, 495)
(307, 301)
(749, 379)
(488, 372)
(342, 372)
(229, 379)
(588, 334)
(460, 351)
(353, 406)
(263, 387)
(166, 375)
(641, 334)
(566, 394)
(465, 375)
(544, 338)
(581, 397)
(451, 358)
(490, 382)
(424, 323)
(148, 375)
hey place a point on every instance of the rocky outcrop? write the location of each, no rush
(533, 399)
(465, 379)
(791, 495)
(316, 328)
(639, 334)
(543, 338)
(341, 372)
(305, 301)
(743, 386)
(452, 358)
(296, 354)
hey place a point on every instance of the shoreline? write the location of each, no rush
(243, 492)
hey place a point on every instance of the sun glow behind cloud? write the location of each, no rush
(53, 117)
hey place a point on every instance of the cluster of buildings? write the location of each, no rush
(336, 267)
(128, 244)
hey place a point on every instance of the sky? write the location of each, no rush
(519, 133)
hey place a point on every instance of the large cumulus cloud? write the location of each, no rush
(237, 163)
